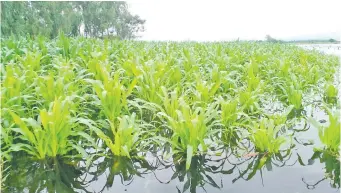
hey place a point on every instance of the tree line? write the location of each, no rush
(96, 18)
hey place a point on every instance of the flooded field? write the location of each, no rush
(325, 48)
(89, 115)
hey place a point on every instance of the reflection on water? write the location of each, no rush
(122, 169)
(53, 175)
(332, 168)
(231, 171)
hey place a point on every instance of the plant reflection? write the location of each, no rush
(52, 175)
(124, 167)
(57, 175)
(259, 161)
(199, 174)
(332, 167)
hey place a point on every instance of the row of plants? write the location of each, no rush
(70, 97)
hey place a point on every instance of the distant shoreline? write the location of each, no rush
(334, 43)
(330, 41)
(304, 41)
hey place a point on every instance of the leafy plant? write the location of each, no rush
(126, 136)
(11, 87)
(249, 101)
(49, 88)
(50, 134)
(281, 118)
(31, 61)
(329, 135)
(4, 172)
(113, 96)
(205, 91)
(153, 77)
(265, 136)
(294, 97)
(229, 118)
(330, 90)
(191, 128)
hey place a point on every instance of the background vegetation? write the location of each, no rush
(48, 18)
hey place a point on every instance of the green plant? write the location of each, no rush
(249, 100)
(191, 128)
(49, 88)
(265, 136)
(50, 135)
(113, 96)
(281, 119)
(126, 136)
(11, 86)
(31, 61)
(330, 90)
(153, 77)
(229, 112)
(294, 97)
(99, 69)
(170, 104)
(253, 81)
(329, 135)
(4, 172)
(229, 116)
(205, 91)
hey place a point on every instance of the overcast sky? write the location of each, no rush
(228, 20)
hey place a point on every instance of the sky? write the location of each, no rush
(245, 19)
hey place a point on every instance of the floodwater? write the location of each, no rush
(334, 49)
(300, 169)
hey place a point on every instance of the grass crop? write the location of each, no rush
(191, 127)
(329, 135)
(82, 97)
(266, 137)
(49, 135)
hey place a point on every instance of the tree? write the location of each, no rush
(270, 39)
(13, 18)
(99, 17)
(48, 18)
